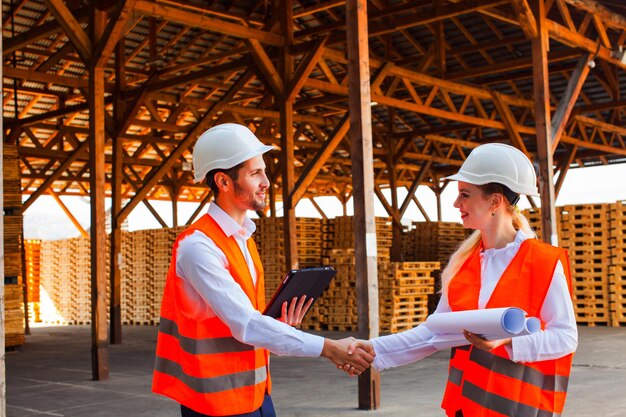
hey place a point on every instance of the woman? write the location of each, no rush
(501, 264)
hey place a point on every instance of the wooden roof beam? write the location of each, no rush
(318, 8)
(55, 175)
(608, 17)
(72, 28)
(509, 65)
(526, 18)
(423, 17)
(564, 35)
(195, 19)
(509, 122)
(121, 20)
(564, 109)
(40, 32)
(266, 67)
(28, 75)
(304, 69)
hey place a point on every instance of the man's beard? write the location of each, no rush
(254, 204)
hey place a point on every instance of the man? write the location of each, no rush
(213, 344)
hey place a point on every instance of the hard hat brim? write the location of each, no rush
(460, 177)
(201, 175)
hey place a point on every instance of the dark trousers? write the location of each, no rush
(266, 410)
(459, 414)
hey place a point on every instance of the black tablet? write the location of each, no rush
(310, 282)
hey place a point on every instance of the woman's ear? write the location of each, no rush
(496, 201)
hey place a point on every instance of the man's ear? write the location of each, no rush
(221, 180)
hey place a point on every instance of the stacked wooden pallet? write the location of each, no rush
(436, 241)
(57, 269)
(337, 305)
(339, 234)
(12, 216)
(590, 233)
(32, 250)
(403, 286)
(80, 282)
(13, 315)
(149, 263)
(617, 263)
(404, 289)
(270, 242)
(162, 242)
(11, 188)
(585, 231)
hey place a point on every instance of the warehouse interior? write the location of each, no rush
(106, 99)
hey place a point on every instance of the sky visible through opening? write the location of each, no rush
(46, 220)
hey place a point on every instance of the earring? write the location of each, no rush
(493, 213)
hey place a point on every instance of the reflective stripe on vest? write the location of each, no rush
(203, 346)
(213, 384)
(501, 404)
(494, 363)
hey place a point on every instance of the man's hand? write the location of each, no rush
(294, 313)
(364, 345)
(483, 344)
(348, 354)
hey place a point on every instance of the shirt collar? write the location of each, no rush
(230, 226)
(520, 237)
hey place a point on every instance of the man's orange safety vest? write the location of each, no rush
(198, 361)
(489, 384)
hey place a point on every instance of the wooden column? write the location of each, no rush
(566, 105)
(438, 190)
(116, 259)
(363, 191)
(286, 132)
(396, 245)
(99, 345)
(540, 45)
(174, 192)
(3, 398)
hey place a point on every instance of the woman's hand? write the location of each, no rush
(294, 313)
(483, 344)
(349, 354)
(357, 344)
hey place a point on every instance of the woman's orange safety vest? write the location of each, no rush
(489, 384)
(198, 361)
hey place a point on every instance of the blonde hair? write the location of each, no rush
(471, 244)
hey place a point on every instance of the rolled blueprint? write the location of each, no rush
(531, 326)
(490, 323)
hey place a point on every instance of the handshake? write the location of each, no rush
(350, 355)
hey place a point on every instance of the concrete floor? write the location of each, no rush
(51, 376)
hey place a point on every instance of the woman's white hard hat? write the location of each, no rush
(225, 146)
(499, 163)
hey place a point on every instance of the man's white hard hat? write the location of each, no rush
(225, 146)
(499, 163)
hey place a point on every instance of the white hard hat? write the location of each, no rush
(225, 146)
(499, 163)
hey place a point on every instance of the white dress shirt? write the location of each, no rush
(559, 338)
(203, 268)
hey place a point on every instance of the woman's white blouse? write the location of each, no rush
(559, 338)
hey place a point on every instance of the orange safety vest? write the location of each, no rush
(489, 384)
(198, 361)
